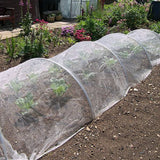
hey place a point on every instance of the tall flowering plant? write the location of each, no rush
(26, 18)
(43, 29)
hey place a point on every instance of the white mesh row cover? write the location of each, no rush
(44, 102)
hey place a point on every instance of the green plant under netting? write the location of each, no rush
(26, 103)
(59, 86)
(155, 27)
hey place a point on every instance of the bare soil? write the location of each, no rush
(130, 130)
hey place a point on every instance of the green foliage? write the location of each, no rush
(155, 27)
(71, 40)
(34, 46)
(112, 15)
(26, 24)
(94, 27)
(87, 75)
(1, 46)
(43, 29)
(14, 45)
(59, 86)
(32, 77)
(16, 86)
(133, 13)
(26, 103)
(10, 47)
(135, 16)
(56, 41)
(109, 62)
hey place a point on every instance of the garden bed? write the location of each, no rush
(130, 130)
(5, 62)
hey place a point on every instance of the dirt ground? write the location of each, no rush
(130, 130)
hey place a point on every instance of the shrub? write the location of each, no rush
(134, 13)
(94, 27)
(155, 27)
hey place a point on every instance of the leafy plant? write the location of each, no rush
(124, 54)
(43, 29)
(84, 57)
(34, 46)
(95, 28)
(87, 75)
(33, 77)
(56, 40)
(26, 103)
(59, 86)
(51, 15)
(16, 86)
(109, 62)
(26, 18)
(26, 24)
(55, 70)
(112, 16)
(1, 46)
(11, 47)
(134, 14)
(132, 17)
(71, 40)
(155, 27)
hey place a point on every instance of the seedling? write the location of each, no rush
(26, 103)
(55, 69)
(108, 62)
(16, 86)
(124, 54)
(69, 63)
(84, 57)
(59, 86)
(87, 75)
(32, 77)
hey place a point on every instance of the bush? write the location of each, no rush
(94, 27)
(155, 27)
(135, 14)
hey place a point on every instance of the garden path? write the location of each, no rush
(15, 32)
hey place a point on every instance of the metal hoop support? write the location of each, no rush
(3, 146)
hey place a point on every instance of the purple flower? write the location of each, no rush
(21, 3)
(28, 4)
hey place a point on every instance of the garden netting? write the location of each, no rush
(44, 102)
